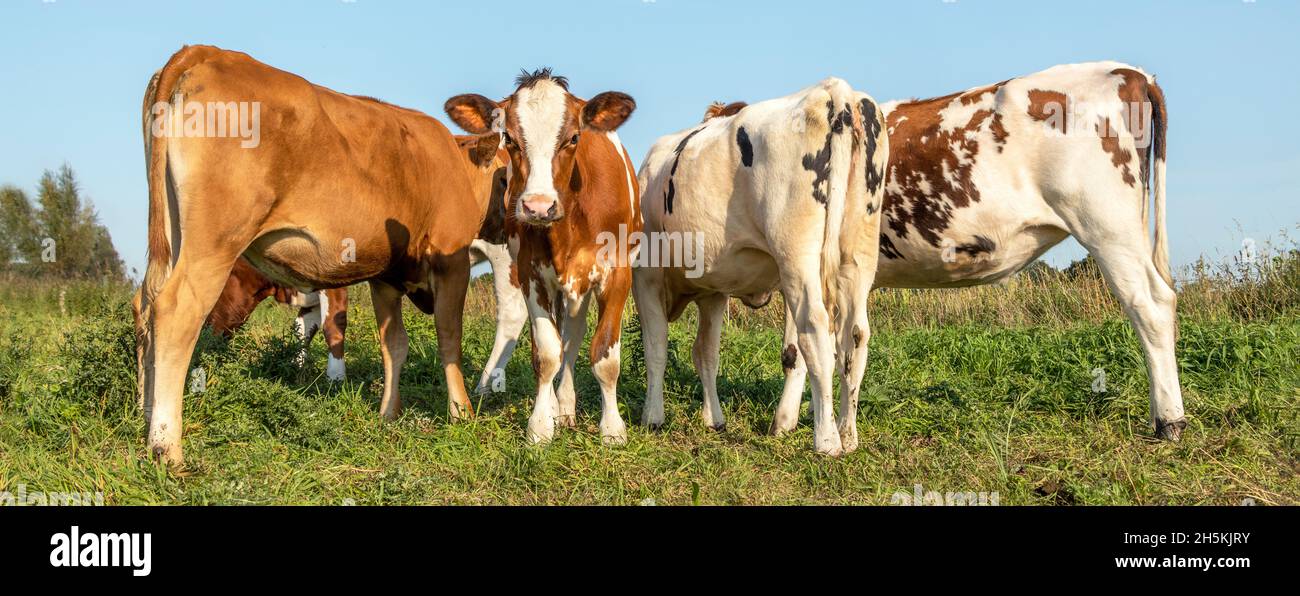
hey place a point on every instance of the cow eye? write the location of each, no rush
(509, 142)
(574, 140)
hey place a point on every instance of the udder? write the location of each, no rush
(298, 258)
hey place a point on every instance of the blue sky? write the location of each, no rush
(72, 74)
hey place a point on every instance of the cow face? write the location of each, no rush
(541, 125)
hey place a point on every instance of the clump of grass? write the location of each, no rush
(99, 361)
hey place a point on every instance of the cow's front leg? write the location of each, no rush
(334, 303)
(307, 324)
(511, 314)
(546, 363)
(572, 334)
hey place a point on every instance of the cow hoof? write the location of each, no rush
(541, 429)
(1171, 431)
(169, 457)
(567, 421)
(719, 428)
(614, 440)
(613, 432)
(780, 429)
(654, 423)
(335, 370)
(832, 452)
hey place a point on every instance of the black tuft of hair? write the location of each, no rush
(528, 79)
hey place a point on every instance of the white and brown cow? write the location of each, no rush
(780, 194)
(571, 190)
(983, 182)
(340, 189)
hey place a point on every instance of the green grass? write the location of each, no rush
(963, 406)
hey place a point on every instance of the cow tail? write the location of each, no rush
(155, 154)
(159, 121)
(839, 140)
(1159, 126)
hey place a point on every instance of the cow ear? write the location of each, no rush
(607, 111)
(472, 112)
(485, 149)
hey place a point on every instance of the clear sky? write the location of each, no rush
(73, 72)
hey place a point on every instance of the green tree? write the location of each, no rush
(60, 235)
(19, 237)
(1083, 268)
(1038, 271)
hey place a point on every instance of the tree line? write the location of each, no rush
(58, 235)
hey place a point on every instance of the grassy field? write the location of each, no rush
(984, 390)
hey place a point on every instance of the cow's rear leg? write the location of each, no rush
(713, 310)
(573, 330)
(606, 352)
(802, 288)
(796, 372)
(855, 335)
(648, 292)
(173, 320)
(392, 342)
(1124, 257)
(512, 313)
(451, 282)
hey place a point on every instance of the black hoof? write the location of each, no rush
(719, 428)
(1171, 431)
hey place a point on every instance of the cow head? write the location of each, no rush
(541, 125)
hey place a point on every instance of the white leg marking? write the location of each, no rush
(512, 313)
(546, 339)
(612, 429)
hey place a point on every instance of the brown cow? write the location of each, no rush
(571, 194)
(247, 288)
(334, 190)
(326, 311)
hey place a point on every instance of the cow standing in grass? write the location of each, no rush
(334, 190)
(983, 182)
(327, 310)
(571, 192)
(783, 194)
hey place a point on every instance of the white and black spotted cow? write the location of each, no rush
(780, 194)
(983, 182)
